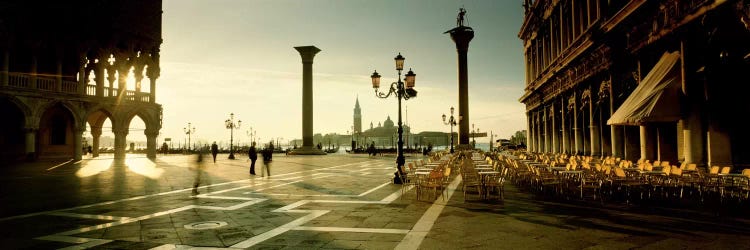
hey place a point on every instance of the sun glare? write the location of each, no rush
(94, 167)
(143, 166)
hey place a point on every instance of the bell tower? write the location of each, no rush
(357, 117)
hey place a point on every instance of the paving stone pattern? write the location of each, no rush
(336, 201)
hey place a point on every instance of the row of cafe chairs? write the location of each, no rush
(435, 174)
(614, 179)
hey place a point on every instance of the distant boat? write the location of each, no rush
(332, 150)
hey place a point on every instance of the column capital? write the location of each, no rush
(153, 132)
(307, 53)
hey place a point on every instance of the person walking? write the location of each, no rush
(253, 154)
(199, 170)
(214, 150)
(267, 155)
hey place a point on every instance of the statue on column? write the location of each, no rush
(460, 18)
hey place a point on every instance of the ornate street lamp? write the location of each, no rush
(231, 125)
(452, 122)
(189, 130)
(251, 133)
(402, 91)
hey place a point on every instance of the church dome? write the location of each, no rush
(388, 123)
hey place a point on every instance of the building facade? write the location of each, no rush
(657, 80)
(68, 63)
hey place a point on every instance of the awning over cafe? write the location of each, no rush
(657, 97)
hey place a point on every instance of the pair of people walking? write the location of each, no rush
(267, 155)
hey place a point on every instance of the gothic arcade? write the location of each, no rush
(67, 63)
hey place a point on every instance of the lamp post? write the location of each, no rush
(402, 91)
(189, 130)
(251, 134)
(452, 122)
(231, 125)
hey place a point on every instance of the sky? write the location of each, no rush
(236, 56)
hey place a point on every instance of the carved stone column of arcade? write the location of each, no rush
(31, 132)
(461, 36)
(692, 130)
(564, 127)
(78, 142)
(555, 139)
(82, 77)
(95, 135)
(120, 141)
(307, 53)
(547, 130)
(577, 130)
(596, 149)
(617, 134)
(151, 135)
(99, 77)
(123, 63)
(535, 137)
(111, 77)
(529, 132)
(153, 73)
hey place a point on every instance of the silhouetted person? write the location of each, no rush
(267, 155)
(253, 154)
(371, 149)
(214, 150)
(199, 169)
(320, 146)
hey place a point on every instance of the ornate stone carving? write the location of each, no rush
(571, 102)
(585, 98)
(604, 89)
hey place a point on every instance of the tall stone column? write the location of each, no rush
(151, 143)
(555, 138)
(82, 76)
(95, 135)
(576, 128)
(78, 142)
(99, 78)
(564, 128)
(546, 131)
(596, 149)
(120, 142)
(31, 143)
(307, 53)
(461, 36)
(529, 132)
(537, 133)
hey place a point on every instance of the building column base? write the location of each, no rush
(307, 150)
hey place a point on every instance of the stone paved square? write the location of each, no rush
(337, 201)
